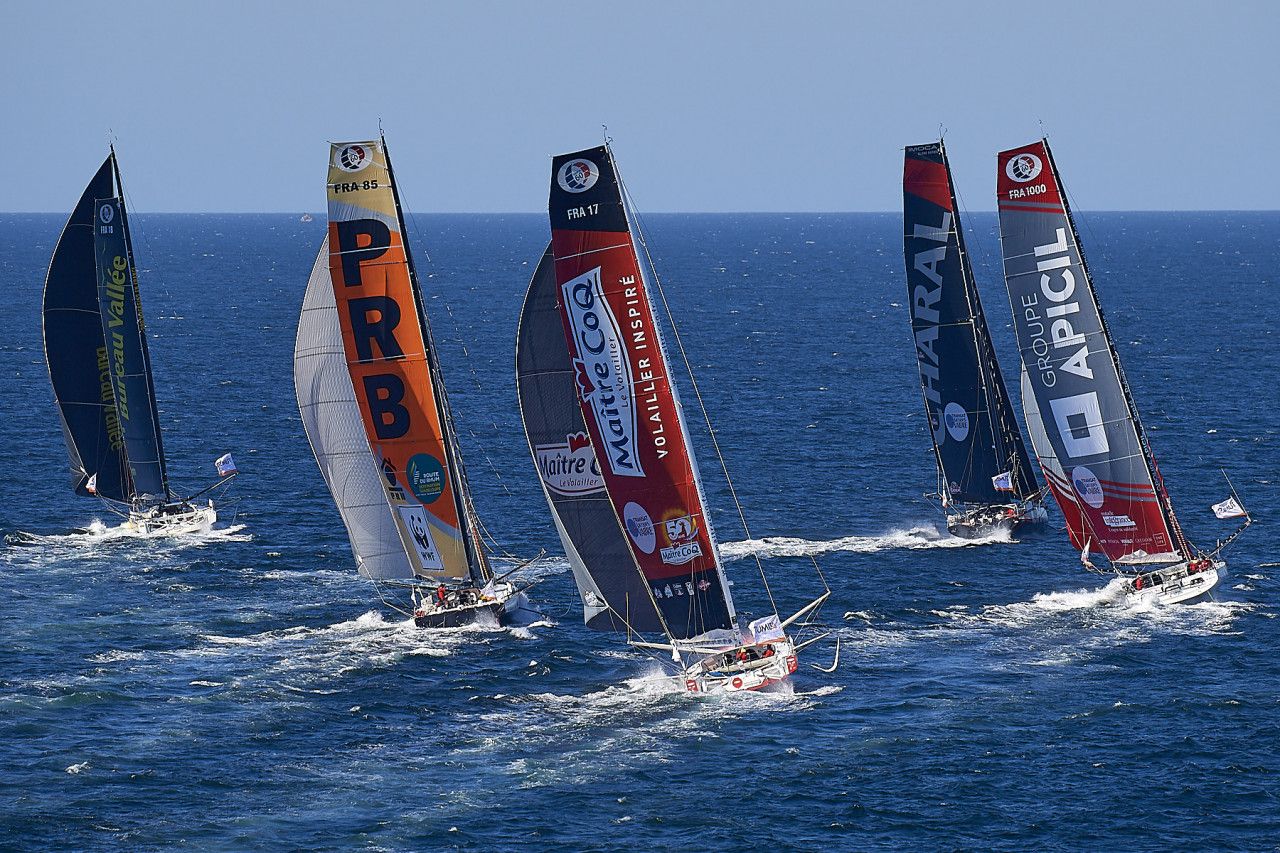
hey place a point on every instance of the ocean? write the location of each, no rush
(246, 690)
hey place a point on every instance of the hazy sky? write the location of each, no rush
(712, 106)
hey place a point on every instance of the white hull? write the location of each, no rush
(1176, 585)
(157, 522)
(723, 673)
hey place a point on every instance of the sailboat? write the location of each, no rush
(607, 432)
(95, 345)
(1082, 418)
(985, 481)
(375, 410)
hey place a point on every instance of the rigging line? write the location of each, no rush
(378, 588)
(697, 393)
(1152, 466)
(460, 341)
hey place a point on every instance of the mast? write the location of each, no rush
(1148, 458)
(127, 354)
(477, 559)
(645, 273)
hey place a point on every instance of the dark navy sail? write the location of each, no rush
(75, 351)
(126, 349)
(971, 421)
(614, 593)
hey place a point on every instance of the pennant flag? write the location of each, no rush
(92, 486)
(1003, 482)
(766, 628)
(1230, 508)
(226, 465)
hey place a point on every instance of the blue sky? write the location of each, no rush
(712, 106)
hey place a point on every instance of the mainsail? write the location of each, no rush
(96, 348)
(1083, 422)
(391, 360)
(614, 594)
(628, 397)
(975, 433)
(335, 429)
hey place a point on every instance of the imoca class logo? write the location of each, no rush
(1023, 168)
(353, 158)
(578, 176)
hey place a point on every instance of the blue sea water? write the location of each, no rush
(247, 691)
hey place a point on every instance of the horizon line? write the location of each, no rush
(647, 213)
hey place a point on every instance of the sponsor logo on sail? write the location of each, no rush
(426, 477)
(603, 369)
(569, 467)
(577, 176)
(393, 485)
(957, 421)
(353, 158)
(925, 281)
(1087, 486)
(1118, 521)
(424, 545)
(1053, 348)
(682, 533)
(106, 213)
(1079, 422)
(1025, 167)
(672, 590)
(639, 527)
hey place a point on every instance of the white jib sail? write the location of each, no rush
(332, 421)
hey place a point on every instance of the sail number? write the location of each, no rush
(582, 212)
(1023, 192)
(356, 186)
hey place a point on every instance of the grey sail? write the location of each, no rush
(1081, 416)
(332, 421)
(614, 593)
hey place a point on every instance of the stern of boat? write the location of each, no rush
(713, 674)
(1188, 583)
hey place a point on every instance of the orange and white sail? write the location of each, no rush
(394, 374)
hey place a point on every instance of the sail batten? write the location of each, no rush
(975, 434)
(628, 402)
(1087, 432)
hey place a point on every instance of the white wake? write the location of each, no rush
(913, 538)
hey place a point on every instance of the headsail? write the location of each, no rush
(975, 434)
(76, 353)
(628, 397)
(392, 362)
(126, 346)
(1083, 423)
(335, 429)
(614, 594)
